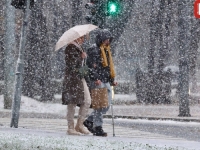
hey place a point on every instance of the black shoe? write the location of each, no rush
(98, 131)
(89, 125)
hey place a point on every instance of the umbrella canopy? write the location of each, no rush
(73, 34)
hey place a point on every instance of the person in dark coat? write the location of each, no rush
(101, 76)
(75, 90)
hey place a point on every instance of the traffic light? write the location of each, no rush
(21, 4)
(100, 9)
(113, 7)
(94, 7)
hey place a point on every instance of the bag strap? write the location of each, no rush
(84, 62)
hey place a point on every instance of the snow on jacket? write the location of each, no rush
(97, 71)
(73, 90)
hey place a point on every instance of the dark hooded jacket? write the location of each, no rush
(97, 71)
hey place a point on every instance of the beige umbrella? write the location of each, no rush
(73, 34)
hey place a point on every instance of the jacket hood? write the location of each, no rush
(103, 35)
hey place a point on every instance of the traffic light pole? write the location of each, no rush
(20, 69)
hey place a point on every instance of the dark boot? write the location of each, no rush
(89, 125)
(98, 131)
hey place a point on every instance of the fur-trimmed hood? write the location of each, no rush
(103, 35)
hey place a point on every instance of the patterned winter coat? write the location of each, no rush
(73, 91)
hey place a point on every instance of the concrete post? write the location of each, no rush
(20, 69)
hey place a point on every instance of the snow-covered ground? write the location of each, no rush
(117, 97)
(32, 105)
(27, 139)
(163, 122)
(23, 139)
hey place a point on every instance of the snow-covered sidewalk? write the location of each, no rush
(33, 139)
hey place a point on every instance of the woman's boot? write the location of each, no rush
(83, 110)
(71, 130)
(70, 120)
(80, 128)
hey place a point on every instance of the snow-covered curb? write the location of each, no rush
(20, 141)
(32, 105)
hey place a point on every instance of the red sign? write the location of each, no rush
(197, 8)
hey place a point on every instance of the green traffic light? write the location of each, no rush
(113, 7)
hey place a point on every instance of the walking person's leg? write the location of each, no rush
(70, 119)
(83, 111)
(98, 117)
(89, 122)
(95, 121)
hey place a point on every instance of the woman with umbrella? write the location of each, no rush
(75, 90)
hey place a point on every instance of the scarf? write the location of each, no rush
(105, 61)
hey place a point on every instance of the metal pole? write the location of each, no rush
(20, 69)
(112, 119)
(9, 59)
(112, 111)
